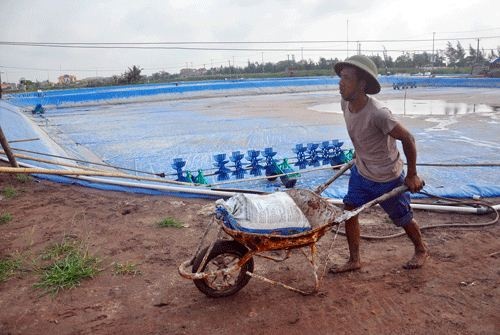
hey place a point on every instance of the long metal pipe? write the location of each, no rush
(440, 208)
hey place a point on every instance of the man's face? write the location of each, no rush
(349, 85)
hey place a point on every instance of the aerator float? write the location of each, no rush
(310, 155)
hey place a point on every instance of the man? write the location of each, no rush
(378, 166)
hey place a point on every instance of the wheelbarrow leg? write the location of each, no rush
(313, 260)
(314, 264)
(277, 283)
(209, 250)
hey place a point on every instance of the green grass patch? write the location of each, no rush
(9, 192)
(23, 178)
(127, 269)
(8, 267)
(68, 272)
(58, 250)
(5, 217)
(70, 264)
(170, 222)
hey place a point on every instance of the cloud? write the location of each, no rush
(220, 20)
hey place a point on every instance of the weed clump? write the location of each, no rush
(23, 178)
(126, 269)
(5, 218)
(71, 264)
(170, 222)
(8, 267)
(9, 192)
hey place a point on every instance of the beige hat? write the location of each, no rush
(367, 65)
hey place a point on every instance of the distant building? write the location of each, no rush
(495, 63)
(494, 68)
(8, 86)
(45, 84)
(97, 81)
(184, 73)
(66, 79)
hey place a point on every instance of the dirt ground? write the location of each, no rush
(457, 292)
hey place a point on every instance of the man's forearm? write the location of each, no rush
(410, 151)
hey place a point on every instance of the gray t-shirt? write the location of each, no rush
(377, 156)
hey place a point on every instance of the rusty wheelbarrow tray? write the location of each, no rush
(226, 265)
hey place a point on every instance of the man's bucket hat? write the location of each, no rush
(367, 65)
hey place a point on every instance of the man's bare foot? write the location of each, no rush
(349, 266)
(418, 260)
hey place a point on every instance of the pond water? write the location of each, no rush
(420, 107)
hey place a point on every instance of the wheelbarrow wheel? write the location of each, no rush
(224, 254)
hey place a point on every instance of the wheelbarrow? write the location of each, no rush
(226, 265)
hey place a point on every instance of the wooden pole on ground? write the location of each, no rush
(6, 148)
(91, 173)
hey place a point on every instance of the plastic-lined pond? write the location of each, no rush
(421, 107)
(148, 136)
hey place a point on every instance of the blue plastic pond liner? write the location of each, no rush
(148, 136)
(75, 96)
(112, 93)
(17, 126)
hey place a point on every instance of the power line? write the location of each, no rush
(222, 49)
(205, 48)
(466, 31)
(143, 44)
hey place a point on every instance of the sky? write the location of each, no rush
(341, 23)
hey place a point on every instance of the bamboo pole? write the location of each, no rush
(6, 148)
(342, 170)
(36, 159)
(89, 173)
(89, 162)
(25, 140)
(157, 187)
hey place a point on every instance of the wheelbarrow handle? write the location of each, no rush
(342, 170)
(346, 215)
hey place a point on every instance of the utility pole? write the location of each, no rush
(433, 56)
(385, 59)
(262, 62)
(477, 51)
(302, 53)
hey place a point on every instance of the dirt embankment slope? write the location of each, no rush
(456, 292)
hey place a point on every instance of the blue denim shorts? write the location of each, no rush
(362, 190)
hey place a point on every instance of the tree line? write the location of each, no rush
(454, 59)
